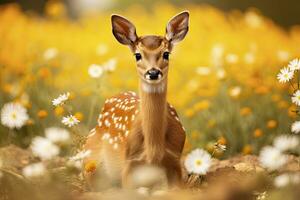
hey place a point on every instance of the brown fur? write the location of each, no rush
(134, 130)
(153, 108)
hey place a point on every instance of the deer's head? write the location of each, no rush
(151, 52)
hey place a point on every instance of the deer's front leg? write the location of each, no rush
(133, 153)
(173, 170)
(175, 139)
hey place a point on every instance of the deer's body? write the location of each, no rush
(140, 129)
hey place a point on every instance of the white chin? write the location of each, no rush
(153, 88)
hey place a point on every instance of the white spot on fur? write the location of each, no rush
(107, 123)
(106, 114)
(92, 134)
(105, 136)
(115, 146)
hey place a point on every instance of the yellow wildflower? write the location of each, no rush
(44, 72)
(59, 111)
(90, 166)
(272, 124)
(276, 97)
(245, 111)
(292, 111)
(189, 113)
(79, 116)
(257, 133)
(202, 105)
(42, 114)
(247, 149)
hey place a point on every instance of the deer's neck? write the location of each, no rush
(153, 107)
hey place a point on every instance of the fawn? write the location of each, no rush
(140, 129)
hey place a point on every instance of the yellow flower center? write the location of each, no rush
(198, 162)
(14, 115)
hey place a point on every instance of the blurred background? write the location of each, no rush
(285, 13)
(222, 81)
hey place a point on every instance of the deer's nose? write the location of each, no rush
(153, 74)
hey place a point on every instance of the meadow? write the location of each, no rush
(223, 77)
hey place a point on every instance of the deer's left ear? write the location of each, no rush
(178, 27)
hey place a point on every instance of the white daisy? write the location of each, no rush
(70, 121)
(285, 75)
(110, 65)
(198, 162)
(14, 115)
(101, 49)
(34, 170)
(294, 64)
(221, 74)
(44, 148)
(77, 160)
(282, 180)
(286, 179)
(217, 53)
(296, 127)
(50, 53)
(286, 142)
(95, 71)
(262, 195)
(235, 91)
(57, 135)
(203, 71)
(296, 98)
(272, 158)
(232, 58)
(61, 99)
(249, 58)
(283, 55)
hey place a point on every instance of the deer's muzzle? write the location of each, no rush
(153, 74)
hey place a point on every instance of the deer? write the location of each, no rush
(138, 129)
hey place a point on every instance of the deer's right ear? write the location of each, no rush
(178, 27)
(123, 30)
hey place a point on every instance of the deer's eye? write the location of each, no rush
(138, 56)
(166, 55)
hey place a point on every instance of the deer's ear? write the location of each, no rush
(178, 27)
(123, 30)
